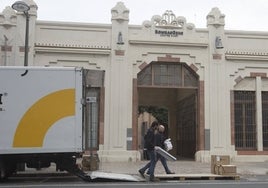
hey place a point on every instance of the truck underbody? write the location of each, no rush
(11, 163)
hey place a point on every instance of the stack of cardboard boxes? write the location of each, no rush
(220, 164)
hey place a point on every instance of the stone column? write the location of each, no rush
(218, 123)
(259, 114)
(119, 85)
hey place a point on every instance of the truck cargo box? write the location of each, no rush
(40, 110)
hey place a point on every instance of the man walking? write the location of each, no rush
(149, 145)
(160, 140)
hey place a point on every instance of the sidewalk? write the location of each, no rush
(245, 169)
(184, 167)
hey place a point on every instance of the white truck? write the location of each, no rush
(41, 118)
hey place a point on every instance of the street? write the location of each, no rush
(203, 184)
(72, 181)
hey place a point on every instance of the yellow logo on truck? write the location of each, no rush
(42, 115)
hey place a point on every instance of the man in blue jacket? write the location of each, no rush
(149, 144)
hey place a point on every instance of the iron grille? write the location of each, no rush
(265, 119)
(145, 76)
(168, 75)
(186, 126)
(245, 120)
(92, 115)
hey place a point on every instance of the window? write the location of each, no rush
(166, 74)
(265, 119)
(92, 114)
(145, 76)
(245, 120)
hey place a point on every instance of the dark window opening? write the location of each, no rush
(265, 119)
(245, 120)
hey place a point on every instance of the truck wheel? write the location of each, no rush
(6, 170)
(3, 175)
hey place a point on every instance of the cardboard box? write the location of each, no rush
(217, 160)
(225, 169)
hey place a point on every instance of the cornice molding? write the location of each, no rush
(73, 49)
(246, 55)
(164, 43)
(58, 24)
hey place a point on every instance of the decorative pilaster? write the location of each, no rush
(218, 124)
(215, 24)
(119, 92)
(215, 18)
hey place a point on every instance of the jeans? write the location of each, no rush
(151, 164)
(164, 163)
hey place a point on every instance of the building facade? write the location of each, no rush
(212, 81)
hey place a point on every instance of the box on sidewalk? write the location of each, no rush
(219, 160)
(220, 164)
(226, 170)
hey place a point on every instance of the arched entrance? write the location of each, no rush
(175, 87)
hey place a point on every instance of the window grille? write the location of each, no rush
(168, 75)
(265, 119)
(245, 120)
(145, 76)
(186, 126)
(93, 114)
(189, 79)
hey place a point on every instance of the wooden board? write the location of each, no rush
(195, 177)
(165, 154)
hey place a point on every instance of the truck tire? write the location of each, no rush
(6, 169)
(3, 175)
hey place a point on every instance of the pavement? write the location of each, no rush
(245, 170)
(184, 167)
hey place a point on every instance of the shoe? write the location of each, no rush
(141, 173)
(170, 172)
(153, 179)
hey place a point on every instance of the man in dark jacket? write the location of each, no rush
(160, 139)
(149, 145)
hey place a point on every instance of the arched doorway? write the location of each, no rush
(175, 87)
